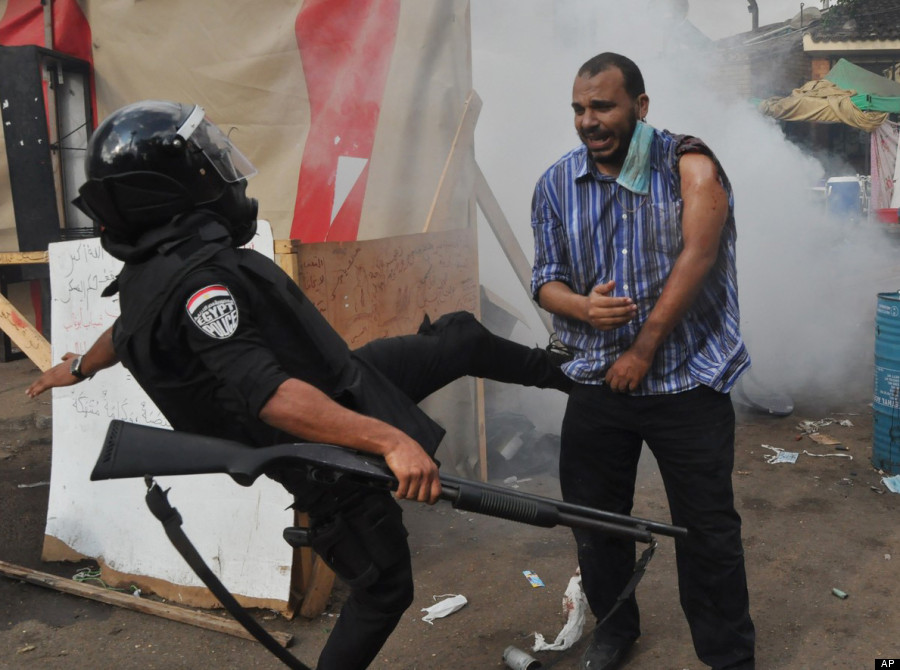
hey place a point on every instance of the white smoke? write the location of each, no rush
(808, 287)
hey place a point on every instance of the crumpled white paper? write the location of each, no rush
(575, 606)
(445, 607)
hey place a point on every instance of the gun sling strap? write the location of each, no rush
(158, 502)
(639, 569)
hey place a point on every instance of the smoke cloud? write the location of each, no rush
(808, 286)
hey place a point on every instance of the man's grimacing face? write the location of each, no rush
(605, 117)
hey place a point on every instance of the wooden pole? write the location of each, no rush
(507, 239)
(465, 134)
(48, 23)
(164, 610)
(311, 580)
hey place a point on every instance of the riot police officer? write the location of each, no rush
(227, 345)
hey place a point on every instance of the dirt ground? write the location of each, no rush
(809, 527)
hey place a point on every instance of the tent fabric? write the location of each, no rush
(876, 103)
(874, 92)
(884, 165)
(822, 101)
(254, 84)
(847, 94)
(846, 75)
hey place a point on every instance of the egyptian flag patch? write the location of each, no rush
(214, 311)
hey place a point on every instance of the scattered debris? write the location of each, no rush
(513, 482)
(574, 606)
(533, 579)
(821, 438)
(517, 659)
(892, 483)
(450, 604)
(26, 649)
(807, 427)
(808, 453)
(780, 455)
(32, 486)
(840, 594)
(93, 575)
(814, 426)
(515, 447)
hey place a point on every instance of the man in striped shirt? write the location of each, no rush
(635, 257)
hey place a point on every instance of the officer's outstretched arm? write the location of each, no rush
(301, 409)
(100, 356)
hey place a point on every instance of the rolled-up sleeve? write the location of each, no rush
(551, 259)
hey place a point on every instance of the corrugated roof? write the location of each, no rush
(775, 37)
(864, 20)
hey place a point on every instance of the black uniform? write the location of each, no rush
(210, 332)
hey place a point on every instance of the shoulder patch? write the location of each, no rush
(214, 311)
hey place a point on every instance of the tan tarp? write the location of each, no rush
(823, 102)
(239, 59)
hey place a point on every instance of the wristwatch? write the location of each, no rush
(75, 369)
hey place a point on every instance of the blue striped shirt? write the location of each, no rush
(589, 230)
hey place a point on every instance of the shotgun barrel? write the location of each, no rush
(134, 450)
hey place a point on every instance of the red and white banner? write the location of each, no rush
(347, 107)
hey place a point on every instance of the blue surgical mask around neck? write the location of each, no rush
(635, 174)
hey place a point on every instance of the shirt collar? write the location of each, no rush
(585, 167)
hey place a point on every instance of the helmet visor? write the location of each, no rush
(229, 162)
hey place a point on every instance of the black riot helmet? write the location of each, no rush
(150, 161)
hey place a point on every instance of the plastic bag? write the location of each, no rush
(444, 608)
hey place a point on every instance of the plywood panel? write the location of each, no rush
(379, 288)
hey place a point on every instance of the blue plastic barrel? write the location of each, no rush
(886, 402)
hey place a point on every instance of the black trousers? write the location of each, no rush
(691, 434)
(454, 346)
(359, 532)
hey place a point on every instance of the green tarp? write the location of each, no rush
(876, 103)
(847, 75)
(874, 93)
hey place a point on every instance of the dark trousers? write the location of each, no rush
(360, 533)
(691, 434)
(362, 538)
(454, 346)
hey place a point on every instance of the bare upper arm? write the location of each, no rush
(705, 200)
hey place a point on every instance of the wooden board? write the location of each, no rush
(23, 257)
(381, 288)
(26, 336)
(378, 288)
(127, 601)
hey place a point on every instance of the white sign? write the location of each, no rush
(237, 530)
